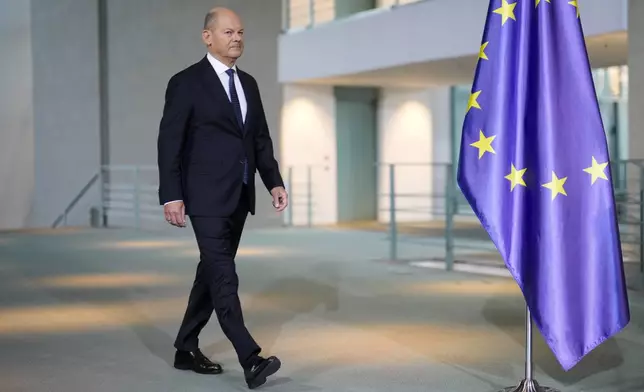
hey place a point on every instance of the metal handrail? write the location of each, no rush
(136, 189)
(630, 197)
(129, 167)
(308, 193)
(63, 216)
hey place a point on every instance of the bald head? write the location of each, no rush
(223, 34)
(215, 14)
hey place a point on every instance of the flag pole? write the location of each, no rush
(528, 384)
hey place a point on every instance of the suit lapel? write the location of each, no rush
(248, 94)
(213, 86)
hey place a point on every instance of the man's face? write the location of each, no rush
(226, 36)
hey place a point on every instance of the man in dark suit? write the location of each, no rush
(212, 138)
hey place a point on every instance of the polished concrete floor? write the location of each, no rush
(97, 310)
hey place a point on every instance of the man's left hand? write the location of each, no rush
(280, 198)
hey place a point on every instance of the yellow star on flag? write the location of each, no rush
(556, 185)
(597, 170)
(506, 11)
(482, 54)
(484, 144)
(516, 177)
(539, 1)
(471, 102)
(575, 3)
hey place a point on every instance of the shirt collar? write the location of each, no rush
(218, 66)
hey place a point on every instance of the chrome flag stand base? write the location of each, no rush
(528, 384)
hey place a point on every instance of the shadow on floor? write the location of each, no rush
(278, 304)
(509, 316)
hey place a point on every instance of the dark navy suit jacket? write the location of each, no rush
(201, 148)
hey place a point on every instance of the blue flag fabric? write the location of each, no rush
(534, 166)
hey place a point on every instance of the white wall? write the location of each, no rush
(16, 114)
(413, 128)
(66, 107)
(417, 32)
(150, 40)
(308, 138)
(413, 132)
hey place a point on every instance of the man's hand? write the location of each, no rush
(175, 213)
(280, 198)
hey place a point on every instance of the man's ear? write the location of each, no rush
(206, 36)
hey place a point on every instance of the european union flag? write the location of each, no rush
(534, 166)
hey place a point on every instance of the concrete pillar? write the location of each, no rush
(66, 107)
(16, 114)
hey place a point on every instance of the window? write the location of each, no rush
(303, 13)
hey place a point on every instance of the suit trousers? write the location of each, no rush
(216, 284)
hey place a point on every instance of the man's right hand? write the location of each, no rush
(175, 213)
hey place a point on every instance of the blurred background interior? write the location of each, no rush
(365, 101)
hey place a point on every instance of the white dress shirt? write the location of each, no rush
(221, 69)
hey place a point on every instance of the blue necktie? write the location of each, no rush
(234, 99)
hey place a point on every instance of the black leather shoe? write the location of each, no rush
(256, 375)
(195, 361)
